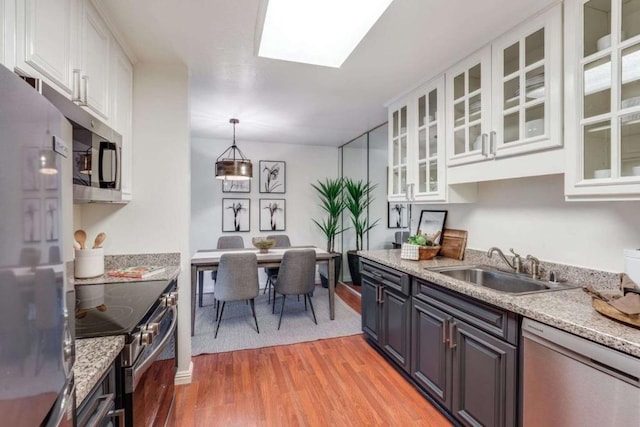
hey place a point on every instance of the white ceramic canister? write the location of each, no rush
(89, 263)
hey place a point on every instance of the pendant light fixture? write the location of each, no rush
(232, 163)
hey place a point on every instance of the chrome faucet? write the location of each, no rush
(535, 267)
(517, 261)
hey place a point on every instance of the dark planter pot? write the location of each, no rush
(337, 267)
(354, 267)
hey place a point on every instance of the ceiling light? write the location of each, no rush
(235, 166)
(319, 32)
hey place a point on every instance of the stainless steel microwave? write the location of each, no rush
(97, 152)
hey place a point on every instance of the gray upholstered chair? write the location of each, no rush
(297, 276)
(224, 242)
(237, 281)
(282, 241)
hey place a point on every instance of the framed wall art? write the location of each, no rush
(432, 222)
(397, 215)
(273, 176)
(31, 223)
(236, 214)
(272, 214)
(236, 186)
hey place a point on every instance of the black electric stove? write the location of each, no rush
(116, 308)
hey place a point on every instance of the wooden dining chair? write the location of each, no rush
(224, 242)
(297, 276)
(282, 241)
(237, 281)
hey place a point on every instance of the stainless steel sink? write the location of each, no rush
(499, 280)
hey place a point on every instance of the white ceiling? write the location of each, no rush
(287, 102)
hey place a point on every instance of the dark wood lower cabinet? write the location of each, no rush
(395, 326)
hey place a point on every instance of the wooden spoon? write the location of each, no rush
(99, 239)
(81, 237)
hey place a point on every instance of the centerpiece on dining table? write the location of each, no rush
(263, 244)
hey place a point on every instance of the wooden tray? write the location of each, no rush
(611, 312)
(454, 242)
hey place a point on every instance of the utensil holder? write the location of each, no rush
(89, 263)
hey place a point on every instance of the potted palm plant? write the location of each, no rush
(330, 195)
(357, 200)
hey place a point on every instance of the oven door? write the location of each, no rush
(149, 382)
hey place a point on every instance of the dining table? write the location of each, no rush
(209, 259)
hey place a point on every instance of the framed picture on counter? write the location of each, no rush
(397, 215)
(272, 214)
(236, 214)
(432, 223)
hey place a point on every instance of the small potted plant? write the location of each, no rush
(427, 248)
(357, 200)
(330, 195)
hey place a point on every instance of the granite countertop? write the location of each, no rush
(93, 357)
(171, 262)
(569, 310)
(170, 273)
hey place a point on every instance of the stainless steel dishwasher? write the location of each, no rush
(570, 381)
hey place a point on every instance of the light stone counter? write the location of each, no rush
(171, 262)
(569, 310)
(93, 357)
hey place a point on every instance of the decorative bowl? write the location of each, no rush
(263, 244)
(428, 252)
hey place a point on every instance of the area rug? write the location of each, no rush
(238, 330)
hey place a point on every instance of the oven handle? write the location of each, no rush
(137, 372)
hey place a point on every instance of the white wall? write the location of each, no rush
(530, 215)
(304, 165)
(157, 219)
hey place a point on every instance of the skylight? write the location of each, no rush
(318, 32)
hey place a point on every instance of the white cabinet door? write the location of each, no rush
(45, 40)
(602, 91)
(122, 89)
(527, 87)
(468, 104)
(3, 40)
(398, 151)
(95, 53)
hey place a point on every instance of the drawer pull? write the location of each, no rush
(444, 331)
(452, 325)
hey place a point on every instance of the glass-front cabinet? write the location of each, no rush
(603, 99)
(417, 147)
(506, 99)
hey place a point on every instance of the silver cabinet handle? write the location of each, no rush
(485, 148)
(75, 86)
(84, 91)
(493, 142)
(452, 344)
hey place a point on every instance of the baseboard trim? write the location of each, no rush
(184, 377)
(350, 289)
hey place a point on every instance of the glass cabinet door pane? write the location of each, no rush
(630, 144)
(630, 94)
(475, 108)
(459, 139)
(534, 121)
(396, 152)
(630, 19)
(422, 111)
(597, 87)
(458, 86)
(422, 144)
(403, 150)
(534, 47)
(433, 105)
(511, 93)
(403, 180)
(474, 137)
(403, 120)
(458, 114)
(597, 150)
(395, 124)
(395, 181)
(475, 75)
(512, 127)
(433, 176)
(535, 81)
(511, 60)
(433, 141)
(422, 178)
(597, 26)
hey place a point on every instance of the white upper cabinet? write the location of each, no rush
(417, 149)
(45, 37)
(505, 101)
(94, 61)
(3, 36)
(122, 104)
(602, 99)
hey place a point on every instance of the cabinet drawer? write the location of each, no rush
(493, 320)
(385, 276)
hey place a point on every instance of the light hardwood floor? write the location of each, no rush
(332, 382)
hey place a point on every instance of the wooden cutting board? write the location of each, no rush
(454, 242)
(611, 312)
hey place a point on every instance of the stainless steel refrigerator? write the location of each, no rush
(36, 339)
